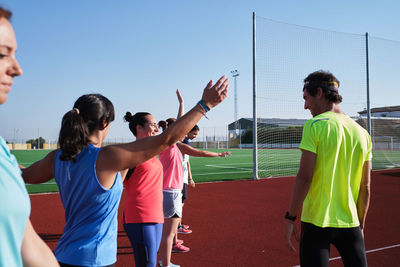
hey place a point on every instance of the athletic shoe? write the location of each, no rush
(186, 226)
(182, 230)
(180, 248)
(170, 264)
(179, 241)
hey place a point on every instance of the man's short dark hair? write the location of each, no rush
(327, 82)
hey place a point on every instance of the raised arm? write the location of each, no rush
(40, 171)
(364, 194)
(181, 109)
(191, 151)
(115, 158)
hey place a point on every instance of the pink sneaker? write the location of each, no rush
(179, 241)
(182, 230)
(180, 248)
(186, 226)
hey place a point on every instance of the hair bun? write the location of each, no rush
(128, 116)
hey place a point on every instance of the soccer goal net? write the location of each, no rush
(285, 54)
(385, 133)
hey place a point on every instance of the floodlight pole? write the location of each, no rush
(235, 74)
(367, 74)
(255, 142)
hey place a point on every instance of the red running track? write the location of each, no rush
(240, 223)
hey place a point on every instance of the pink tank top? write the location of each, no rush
(144, 201)
(171, 160)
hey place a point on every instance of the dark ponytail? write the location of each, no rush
(89, 114)
(163, 125)
(138, 119)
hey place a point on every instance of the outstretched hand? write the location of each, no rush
(224, 154)
(215, 94)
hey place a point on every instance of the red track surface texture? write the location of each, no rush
(240, 223)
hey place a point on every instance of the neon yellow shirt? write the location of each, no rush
(342, 146)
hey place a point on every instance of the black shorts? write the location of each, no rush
(184, 192)
(315, 245)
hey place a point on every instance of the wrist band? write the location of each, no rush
(205, 111)
(201, 102)
(290, 218)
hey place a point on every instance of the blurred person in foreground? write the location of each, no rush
(19, 243)
(333, 181)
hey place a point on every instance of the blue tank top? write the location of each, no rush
(14, 208)
(90, 232)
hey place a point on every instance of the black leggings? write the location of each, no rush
(315, 245)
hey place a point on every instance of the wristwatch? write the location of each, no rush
(290, 218)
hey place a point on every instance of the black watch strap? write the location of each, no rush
(290, 218)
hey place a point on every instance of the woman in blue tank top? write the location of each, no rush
(89, 178)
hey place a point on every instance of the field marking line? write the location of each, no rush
(387, 158)
(222, 164)
(212, 173)
(227, 167)
(42, 184)
(368, 251)
(244, 170)
(38, 194)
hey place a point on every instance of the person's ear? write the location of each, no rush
(320, 92)
(105, 124)
(139, 127)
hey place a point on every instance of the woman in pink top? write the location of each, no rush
(171, 160)
(143, 214)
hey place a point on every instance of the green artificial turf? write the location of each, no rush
(272, 163)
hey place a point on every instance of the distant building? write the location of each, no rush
(277, 133)
(385, 126)
(245, 123)
(383, 112)
(240, 126)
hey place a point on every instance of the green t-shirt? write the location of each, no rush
(342, 146)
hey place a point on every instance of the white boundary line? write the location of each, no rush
(39, 194)
(41, 184)
(368, 251)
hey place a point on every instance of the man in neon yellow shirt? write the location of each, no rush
(333, 182)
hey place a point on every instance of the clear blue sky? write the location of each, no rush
(137, 53)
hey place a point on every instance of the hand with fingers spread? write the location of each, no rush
(215, 94)
(224, 154)
(291, 230)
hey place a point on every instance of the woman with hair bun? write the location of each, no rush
(143, 211)
(88, 175)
